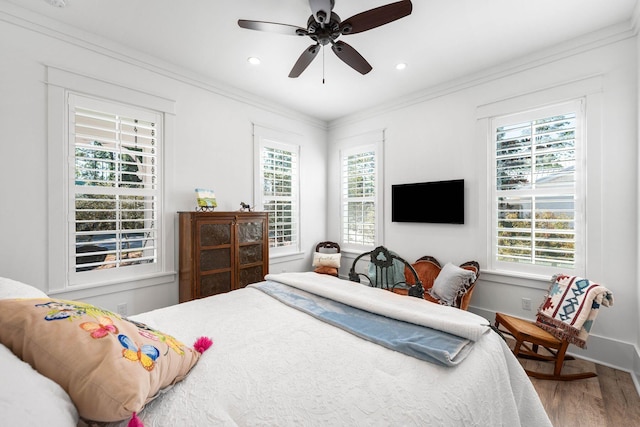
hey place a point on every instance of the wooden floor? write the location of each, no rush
(608, 400)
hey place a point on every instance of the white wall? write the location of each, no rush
(435, 136)
(636, 22)
(213, 148)
(430, 136)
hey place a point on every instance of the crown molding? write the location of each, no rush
(567, 49)
(15, 15)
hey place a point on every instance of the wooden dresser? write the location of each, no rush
(221, 251)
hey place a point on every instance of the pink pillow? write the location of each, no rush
(110, 367)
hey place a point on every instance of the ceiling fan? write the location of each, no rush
(324, 27)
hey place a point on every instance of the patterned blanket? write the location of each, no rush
(571, 307)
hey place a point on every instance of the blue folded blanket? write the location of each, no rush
(417, 341)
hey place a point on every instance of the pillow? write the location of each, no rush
(110, 367)
(326, 260)
(333, 271)
(451, 282)
(30, 399)
(12, 289)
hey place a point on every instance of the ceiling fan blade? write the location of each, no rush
(321, 10)
(305, 59)
(376, 17)
(351, 57)
(272, 27)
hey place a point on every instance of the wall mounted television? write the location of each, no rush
(440, 202)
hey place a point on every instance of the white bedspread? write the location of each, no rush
(272, 365)
(380, 301)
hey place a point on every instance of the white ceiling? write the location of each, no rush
(441, 40)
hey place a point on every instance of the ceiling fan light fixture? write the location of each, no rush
(253, 60)
(324, 26)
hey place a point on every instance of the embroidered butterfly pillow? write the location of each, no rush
(110, 367)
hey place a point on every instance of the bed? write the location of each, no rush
(275, 360)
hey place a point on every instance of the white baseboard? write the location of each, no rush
(605, 351)
(635, 374)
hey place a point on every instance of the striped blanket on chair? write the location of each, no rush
(571, 306)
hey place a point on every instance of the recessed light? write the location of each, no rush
(401, 66)
(253, 60)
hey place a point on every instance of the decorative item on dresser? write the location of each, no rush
(206, 200)
(221, 251)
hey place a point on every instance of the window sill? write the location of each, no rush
(354, 253)
(279, 258)
(525, 280)
(89, 291)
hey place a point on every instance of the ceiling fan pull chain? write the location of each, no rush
(322, 64)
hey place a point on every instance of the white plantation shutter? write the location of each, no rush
(115, 189)
(277, 187)
(359, 196)
(538, 189)
(279, 194)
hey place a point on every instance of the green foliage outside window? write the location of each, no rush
(110, 220)
(535, 181)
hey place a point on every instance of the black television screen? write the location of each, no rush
(439, 202)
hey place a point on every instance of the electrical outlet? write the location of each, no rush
(526, 304)
(122, 309)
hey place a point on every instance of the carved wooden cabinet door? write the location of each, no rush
(251, 237)
(221, 251)
(214, 263)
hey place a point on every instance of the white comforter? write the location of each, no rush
(272, 365)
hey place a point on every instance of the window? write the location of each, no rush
(538, 190)
(105, 182)
(361, 197)
(277, 188)
(114, 189)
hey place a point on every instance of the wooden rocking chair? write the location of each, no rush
(568, 296)
(529, 338)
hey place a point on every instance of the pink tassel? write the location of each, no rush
(135, 421)
(202, 344)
